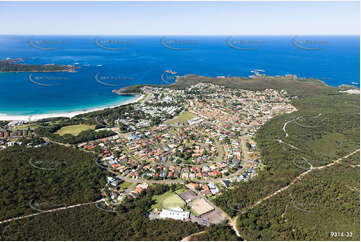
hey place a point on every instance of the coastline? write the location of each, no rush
(5, 117)
(124, 91)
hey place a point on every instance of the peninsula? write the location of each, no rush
(11, 65)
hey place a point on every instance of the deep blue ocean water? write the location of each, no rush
(112, 62)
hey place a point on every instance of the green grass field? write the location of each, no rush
(124, 185)
(74, 129)
(158, 199)
(167, 200)
(172, 201)
(182, 117)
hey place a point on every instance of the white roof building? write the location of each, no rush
(175, 213)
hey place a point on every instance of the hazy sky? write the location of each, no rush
(182, 18)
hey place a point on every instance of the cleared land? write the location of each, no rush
(158, 198)
(200, 206)
(172, 201)
(182, 117)
(74, 129)
(167, 200)
(124, 185)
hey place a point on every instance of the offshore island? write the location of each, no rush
(12, 65)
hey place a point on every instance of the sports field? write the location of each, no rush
(182, 117)
(172, 201)
(200, 206)
(167, 200)
(74, 129)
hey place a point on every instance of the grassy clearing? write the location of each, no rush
(125, 185)
(172, 201)
(158, 199)
(167, 200)
(182, 117)
(74, 129)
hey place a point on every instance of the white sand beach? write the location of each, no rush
(35, 117)
(352, 91)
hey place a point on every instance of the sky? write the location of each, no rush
(180, 18)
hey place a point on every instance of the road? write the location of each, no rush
(285, 125)
(244, 149)
(292, 146)
(49, 211)
(188, 238)
(231, 222)
(243, 142)
(181, 181)
(298, 178)
(304, 126)
(46, 139)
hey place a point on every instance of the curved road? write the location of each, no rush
(298, 178)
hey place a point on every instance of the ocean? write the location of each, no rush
(112, 62)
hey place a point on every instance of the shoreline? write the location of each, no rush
(4, 117)
(35, 117)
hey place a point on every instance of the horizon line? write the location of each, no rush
(164, 35)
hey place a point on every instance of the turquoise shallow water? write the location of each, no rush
(111, 62)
